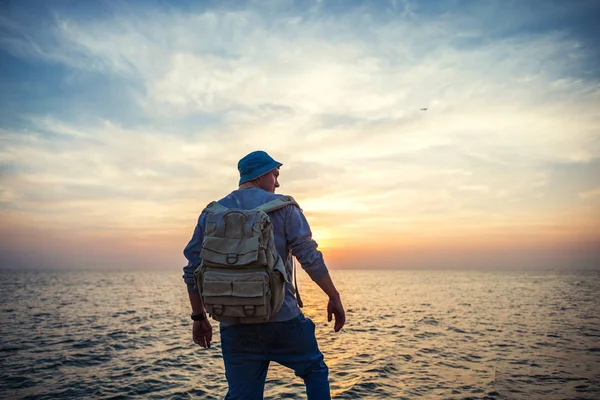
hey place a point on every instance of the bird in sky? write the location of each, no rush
(423, 109)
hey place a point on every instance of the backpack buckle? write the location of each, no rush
(250, 311)
(232, 258)
(218, 310)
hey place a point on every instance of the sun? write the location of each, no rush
(323, 236)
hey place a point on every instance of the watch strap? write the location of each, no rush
(198, 317)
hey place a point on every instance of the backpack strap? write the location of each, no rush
(214, 208)
(298, 299)
(276, 204)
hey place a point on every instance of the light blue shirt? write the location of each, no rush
(292, 238)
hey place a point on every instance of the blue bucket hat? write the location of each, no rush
(256, 164)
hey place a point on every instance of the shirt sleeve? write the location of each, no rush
(192, 253)
(303, 247)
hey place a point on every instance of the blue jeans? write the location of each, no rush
(248, 350)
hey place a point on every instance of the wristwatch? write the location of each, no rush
(199, 317)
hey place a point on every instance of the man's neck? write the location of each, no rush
(248, 185)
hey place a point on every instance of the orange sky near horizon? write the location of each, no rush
(77, 243)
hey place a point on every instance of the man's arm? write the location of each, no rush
(304, 248)
(334, 306)
(196, 302)
(202, 330)
(192, 253)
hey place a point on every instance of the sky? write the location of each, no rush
(120, 121)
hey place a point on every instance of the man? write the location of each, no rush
(288, 337)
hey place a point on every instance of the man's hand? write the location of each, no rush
(335, 307)
(202, 333)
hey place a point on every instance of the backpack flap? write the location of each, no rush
(233, 239)
(218, 251)
(217, 289)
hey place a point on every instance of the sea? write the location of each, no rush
(408, 335)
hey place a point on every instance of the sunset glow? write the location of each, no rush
(118, 125)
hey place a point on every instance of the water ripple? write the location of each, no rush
(448, 335)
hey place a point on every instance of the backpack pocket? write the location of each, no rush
(229, 296)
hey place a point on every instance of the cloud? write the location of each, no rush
(592, 194)
(336, 95)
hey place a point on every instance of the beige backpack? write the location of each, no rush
(242, 277)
